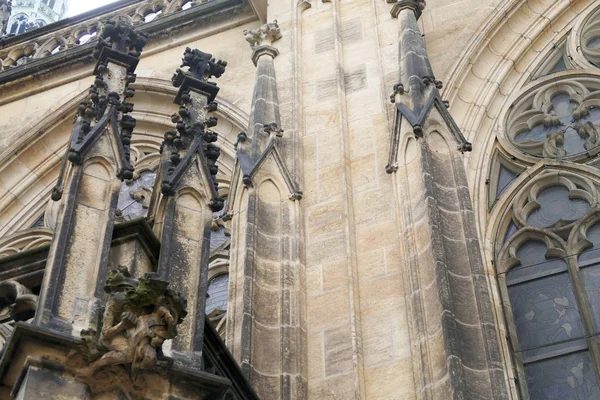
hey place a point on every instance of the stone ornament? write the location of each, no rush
(140, 315)
(108, 105)
(588, 41)
(17, 304)
(193, 135)
(265, 35)
(261, 40)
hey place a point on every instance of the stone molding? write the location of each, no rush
(417, 6)
(263, 50)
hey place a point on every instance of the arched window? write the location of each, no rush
(217, 294)
(19, 25)
(550, 276)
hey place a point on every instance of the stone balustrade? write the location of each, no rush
(76, 31)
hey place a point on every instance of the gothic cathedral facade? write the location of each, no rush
(300, 200)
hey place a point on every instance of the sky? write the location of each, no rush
(80, 6)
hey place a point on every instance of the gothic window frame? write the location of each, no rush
(19, 24)
(566, 242)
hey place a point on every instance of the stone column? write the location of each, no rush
(96, 162)
(265, 325)
(455, 343)
(186, 195)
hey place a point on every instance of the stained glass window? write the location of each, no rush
(218, 235)
(505, 178)
(556, 206)
(217, 293)
(559, 66)
(134, 197)
(569, 377)
(554, 336)
(569, 134)
(550, 331)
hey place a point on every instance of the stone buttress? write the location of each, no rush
(265, 326)
(185, 195)
(97, 161)
(455, 344)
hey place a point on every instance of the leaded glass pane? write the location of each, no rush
(505, 178)
(569, 377)
(134, 197)
(555, 206)
(512, 229)
(593, 253)
(218, 236)
(39, 223)
(559, 66)
(534, 264)
(217, 293)
(594, 43)
(562, 107)
(571, 141)
(545, 311)
(591, 281)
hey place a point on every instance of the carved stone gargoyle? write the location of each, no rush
(140, 315)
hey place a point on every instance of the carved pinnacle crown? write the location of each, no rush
(202, 66)
(416, 5)
(121, 37)
(258, 37)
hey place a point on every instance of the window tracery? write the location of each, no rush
(561, 119)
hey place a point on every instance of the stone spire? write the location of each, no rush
(457, 350)
(418, 90)
(186, 194)
(264, 118)
(96, 161)
(266, 268)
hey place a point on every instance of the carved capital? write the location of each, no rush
(265, 35)
(262, 51)
(417, 6)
